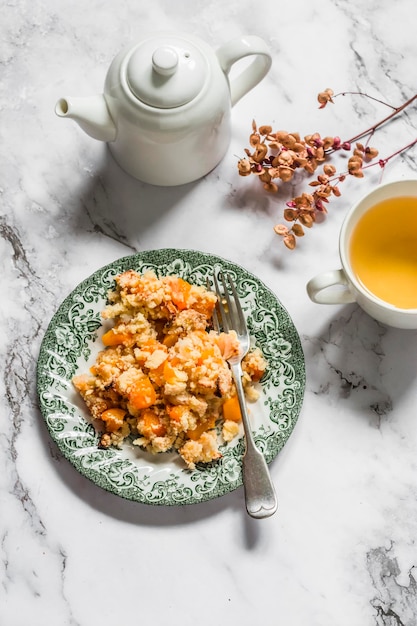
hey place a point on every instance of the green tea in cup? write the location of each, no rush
(383, 251)
(378, 252)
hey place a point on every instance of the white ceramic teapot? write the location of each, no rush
(166, 107)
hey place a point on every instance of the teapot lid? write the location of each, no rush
(166, 72)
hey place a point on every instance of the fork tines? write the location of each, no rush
(228, 314)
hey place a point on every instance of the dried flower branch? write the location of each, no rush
(278, 155)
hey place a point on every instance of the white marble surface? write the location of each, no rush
(341, 550)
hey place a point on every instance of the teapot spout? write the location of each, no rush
(91, 114)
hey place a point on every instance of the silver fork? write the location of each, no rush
(260, 497)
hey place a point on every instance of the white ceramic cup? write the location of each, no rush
(342, 286)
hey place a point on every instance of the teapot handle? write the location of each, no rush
(238, 49)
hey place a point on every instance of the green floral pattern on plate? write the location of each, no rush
(71, 344)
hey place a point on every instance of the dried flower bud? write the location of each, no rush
(313, 140)
(336, 191)
(244, 167)
(323, 191)
(298, 230)
(336, 143)
(328, 143)
(274, 172)
(355, 158)
(305, 201)
(289, 141)
(300, 162)
(284, 158)
(311, 166)
(290, 215)
(274, 145)
(307, 198)
(298, 147)
(254, 139)
(281, 135)
(306, 219)
(260, 152)
(280, 229)
(271, 187)
(324, 97)
(320, 206)
(290, 241)
(329, 169)
(265, 177)
(354, 164)
(370, 153)
(265, 130)
(285, 173)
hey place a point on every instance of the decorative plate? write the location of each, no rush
(71, 344)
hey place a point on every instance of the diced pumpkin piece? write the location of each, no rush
(169, 373)
(156, 375)
(231, 409)
(143, 394)
(180, 291)
(150, 345)
(206, 353)
(113, 419)
(150, 425)
(205, 308)
(176, 411)
(112, 338)
(196, 433)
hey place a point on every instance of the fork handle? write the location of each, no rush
(260, 496)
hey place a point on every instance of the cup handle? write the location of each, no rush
(318, 292)
(238, 49)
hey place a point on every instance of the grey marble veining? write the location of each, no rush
(341, 549)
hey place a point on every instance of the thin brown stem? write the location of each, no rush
(365, 95)
(373, 128)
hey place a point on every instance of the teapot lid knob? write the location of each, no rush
(165, 61)
(166, 72)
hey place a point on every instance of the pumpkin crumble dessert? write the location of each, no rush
(162, 378)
